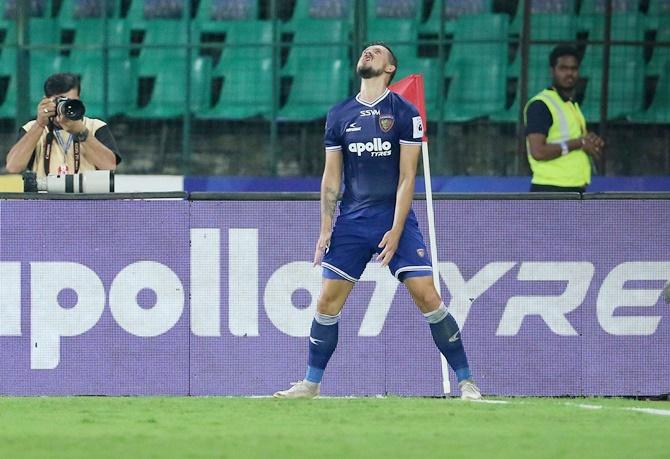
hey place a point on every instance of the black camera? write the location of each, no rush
(72, 109)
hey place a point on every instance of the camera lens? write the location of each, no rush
(72, 109)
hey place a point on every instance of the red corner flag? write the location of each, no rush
(411, 88)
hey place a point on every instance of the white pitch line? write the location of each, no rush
(493, 402)
(585, 406)
(590, 407)
(654, 411)
(650, 411)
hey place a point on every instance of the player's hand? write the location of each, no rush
(321, 246)
(389, 244)
(45, 110)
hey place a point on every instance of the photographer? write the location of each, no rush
(61, 140)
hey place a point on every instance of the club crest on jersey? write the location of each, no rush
(386, 122)
(421, 252)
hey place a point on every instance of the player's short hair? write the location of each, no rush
(563, 50)
(393, 60)
(60, 83)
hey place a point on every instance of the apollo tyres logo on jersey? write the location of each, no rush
(377, 147)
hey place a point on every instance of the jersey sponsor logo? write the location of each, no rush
(386, 122)
(417, 124)
(376, 148)
(353, 128)
(369, 112)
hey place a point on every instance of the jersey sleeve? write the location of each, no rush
(105, 136)
(332, 139)
(538, 118)
(411, 125)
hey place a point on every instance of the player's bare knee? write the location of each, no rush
(329, 305)
(427, 301)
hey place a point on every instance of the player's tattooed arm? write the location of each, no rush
(329, 201)
(330, 186)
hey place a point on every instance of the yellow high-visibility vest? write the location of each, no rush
(573, 169)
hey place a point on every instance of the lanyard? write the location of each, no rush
(49, 142)
(65, 146)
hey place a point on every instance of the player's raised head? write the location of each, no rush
(377, 59)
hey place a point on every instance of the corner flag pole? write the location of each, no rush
(411, 88)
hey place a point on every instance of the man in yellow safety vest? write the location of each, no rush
(557, 141)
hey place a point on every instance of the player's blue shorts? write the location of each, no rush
(354, 242)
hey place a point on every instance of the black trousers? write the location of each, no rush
(554, 188)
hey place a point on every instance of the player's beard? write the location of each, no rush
(366, 72)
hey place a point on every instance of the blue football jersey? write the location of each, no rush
(369, 136)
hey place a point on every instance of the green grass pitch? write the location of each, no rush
(222, 427)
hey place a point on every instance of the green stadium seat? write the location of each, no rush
(315, 89)
(41, 32)
(452, 10)
(121, 95)
(661, 55)
(626, 83)
(477, 67)
(215, 16)
(477, 89)
(245, 94)
(246, 43)
(246, 69)
(482, 37)
(72, 11)
(9, 98)
(38, 9)
(88, 60)
(625, 91)
(44, 55)
(163, 60)
(625, 27)
(324, 12)
(659, 110)
(592, 14)
(544, 26)
(539, 78)
(227, 10)
(658, 13)
(400, 34)
(313, 42)
(429, 68)
(547, 8)
(408, 10)
(168, 98)
(599, 7)
(142, 12)
(89, 40)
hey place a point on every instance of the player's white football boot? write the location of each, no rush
(300, 389)
(469, 390)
